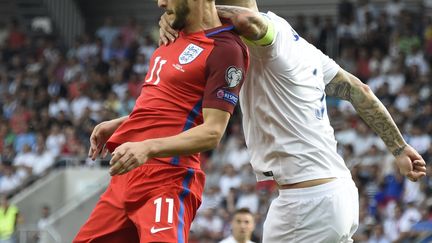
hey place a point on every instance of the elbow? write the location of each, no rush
(241, 23)
(361, 94)
(364, 88)
(358, 85)
(213, 139)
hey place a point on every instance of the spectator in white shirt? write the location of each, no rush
(24, 162)
(55, 140)
(230, 179)
(10, 180)
(208, 224)
(378, 235)
(44, 159)
(248, 198)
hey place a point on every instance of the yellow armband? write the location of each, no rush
(268, 38)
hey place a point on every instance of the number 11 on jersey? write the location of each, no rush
(158, 64)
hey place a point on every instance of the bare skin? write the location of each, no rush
(347, 87)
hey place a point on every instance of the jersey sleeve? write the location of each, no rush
(329, 67)
(226, 69)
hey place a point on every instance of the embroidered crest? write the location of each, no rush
(189, 54)
(233, 76)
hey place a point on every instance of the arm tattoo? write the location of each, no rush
(399, 151)
(228, 12)
(369, 108)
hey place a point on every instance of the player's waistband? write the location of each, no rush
(316, 191)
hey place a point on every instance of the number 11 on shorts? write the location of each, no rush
(170, 204)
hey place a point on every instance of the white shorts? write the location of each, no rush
(326, 213)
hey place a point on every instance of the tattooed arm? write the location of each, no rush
(250, 24)
(347, 87)
(370, 109)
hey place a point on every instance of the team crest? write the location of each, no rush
(189, 54)
(233, 76)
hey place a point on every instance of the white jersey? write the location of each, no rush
(231, 239)
(285, 121)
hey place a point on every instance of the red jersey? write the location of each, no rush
(200, 70)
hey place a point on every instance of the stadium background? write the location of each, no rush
(67, 65)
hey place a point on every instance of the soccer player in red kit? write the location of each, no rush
(187, 98)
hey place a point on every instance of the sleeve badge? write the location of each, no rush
(233, 76)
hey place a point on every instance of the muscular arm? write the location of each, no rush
(250, 24)
(347, 87)
(198, 139)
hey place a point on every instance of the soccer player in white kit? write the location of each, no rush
(288, 132)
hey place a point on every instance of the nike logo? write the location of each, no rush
(154, 230)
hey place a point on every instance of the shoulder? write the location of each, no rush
(277, 20)
(228, 48)
(228, 40)
(223, 35)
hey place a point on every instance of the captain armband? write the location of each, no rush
(268, 38)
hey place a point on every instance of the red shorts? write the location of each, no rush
(152, 203)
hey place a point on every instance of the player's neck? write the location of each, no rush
(242, 241)
(203, 18)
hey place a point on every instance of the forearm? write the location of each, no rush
(115, 123)
(198, 139)
(247, 23)
(119, 121)
(369, 108)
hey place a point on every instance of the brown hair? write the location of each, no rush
(242, 210)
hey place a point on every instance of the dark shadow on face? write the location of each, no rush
(181, 12)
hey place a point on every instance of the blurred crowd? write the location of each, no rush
(51, 96)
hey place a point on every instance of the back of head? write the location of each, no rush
(240, 3)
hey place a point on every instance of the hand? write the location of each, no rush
(411, 164)
(167, 34)
(100, 135)
(127, 157)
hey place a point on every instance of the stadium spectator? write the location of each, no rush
(230, 179)
(24, 162)
(10, 179)
(9, 218)
(108, 33)
(42, 236)
(129, 32)
(377, 235)
(242, 227)
(208, 223)
(16, 37)
(44, 159)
